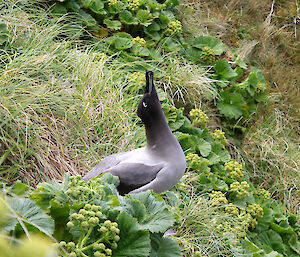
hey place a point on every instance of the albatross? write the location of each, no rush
(158, 166)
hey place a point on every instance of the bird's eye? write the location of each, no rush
(144, 104)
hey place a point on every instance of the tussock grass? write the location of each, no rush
(58, 106)
(272, 150)
(201, 228)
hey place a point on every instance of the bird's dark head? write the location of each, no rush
(149, 107)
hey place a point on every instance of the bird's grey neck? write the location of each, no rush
(158, 133)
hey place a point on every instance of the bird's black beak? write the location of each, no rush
(149, 82)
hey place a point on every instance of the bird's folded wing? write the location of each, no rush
(135, 174)
(105, 164)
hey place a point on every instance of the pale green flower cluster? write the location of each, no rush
(264, 193)
(139, 41)
(79, 190)
(250, 221)
(137, 81)
(99, 56)
(241, 189)
(219, 137)
(207, 55)
(218, 198)
(199, 118)
(255, 210)
(232, 209)
(260, 88)
(174, 27)
(198, 254)
(134, 5)
(86, 219)
(235, 170)
(244, 222)
(113, 2)
(193, 160)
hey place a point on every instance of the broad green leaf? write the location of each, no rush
(122, 41)
(231, 105)
(127, 18)
(135, 208)
(73, 6)
(213, 43)
(45, 192)
(205, 183)
(152, 33)
(213, 158)
(280, 229)
(159, 219)
(185, 141)
(293, 219)
(251, 246)
(264, 222)
(166, 16)
(19, 188)
(294, 243)
(98, 7)
(239, 62)
(176, 124)
(109, 179)
(87, 3)
(133, 241)
(144, 17)
(171, 198)
(256, 77)
(241, 203)
(32, 216)
(112, 24)
(153, 27)
(140, 51)
(164, 247)
(224, 156)
(173, 2)
(219, 185)
(193, 53)
(270, 240)
(171, 45)
(224, 70)
(203, 146)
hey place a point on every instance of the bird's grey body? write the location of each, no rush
(159, 165)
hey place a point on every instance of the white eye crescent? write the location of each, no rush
(144, 104)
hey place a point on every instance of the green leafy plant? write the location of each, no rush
(92, 219)
(145, 19)
(214, 173)
(139, 30)
(238, 101)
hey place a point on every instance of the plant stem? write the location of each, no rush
(80, 240)
(86, 237)
(91, 245)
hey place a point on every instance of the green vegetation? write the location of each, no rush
(93, 218)
(72, 73)
(263, 34)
